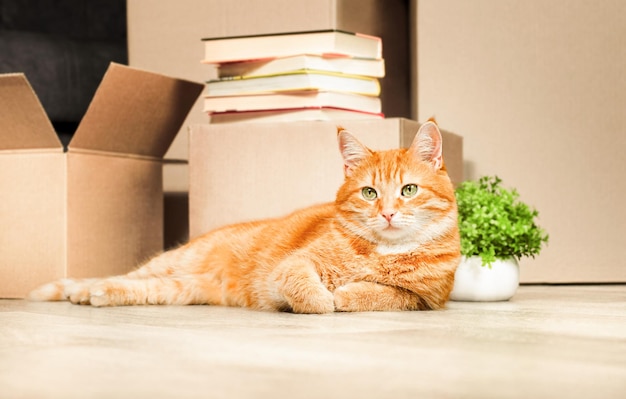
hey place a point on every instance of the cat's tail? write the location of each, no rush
(59, 290)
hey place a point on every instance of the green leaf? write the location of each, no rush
(494, 223)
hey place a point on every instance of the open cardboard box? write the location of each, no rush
(241, 172)
(96, 209)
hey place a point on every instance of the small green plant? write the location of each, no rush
(493, 223)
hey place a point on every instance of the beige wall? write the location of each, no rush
(538, 90)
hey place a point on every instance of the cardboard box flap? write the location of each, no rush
(24, 122)
(135, 112)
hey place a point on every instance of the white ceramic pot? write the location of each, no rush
(474, 282)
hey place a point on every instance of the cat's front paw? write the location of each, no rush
(360, 296)
(343, 300)
(319, 302)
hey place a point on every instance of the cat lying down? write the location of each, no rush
(390, 241)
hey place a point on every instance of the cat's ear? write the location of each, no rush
(427, 145)
(352, 151)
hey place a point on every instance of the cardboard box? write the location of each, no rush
(241, 172)
(96, 209)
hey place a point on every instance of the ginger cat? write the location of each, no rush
(390, 241)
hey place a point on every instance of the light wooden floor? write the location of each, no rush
(548, 342)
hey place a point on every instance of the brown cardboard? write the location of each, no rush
(32, 215)
(119, 201)
(97, 209)
(242, 172)
(23, 129)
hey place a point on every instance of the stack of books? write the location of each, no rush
(320, 75)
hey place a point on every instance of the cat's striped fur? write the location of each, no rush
(394, 247)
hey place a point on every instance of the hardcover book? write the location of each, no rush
(299, 99)
(324, 42)
(348, 65)
(301, 114)
(294, 81)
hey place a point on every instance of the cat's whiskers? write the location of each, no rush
(358, 230)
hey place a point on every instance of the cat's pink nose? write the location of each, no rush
(388, 215)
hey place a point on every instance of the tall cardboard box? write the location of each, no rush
(96, 209)
(241, 172)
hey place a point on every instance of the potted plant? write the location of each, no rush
(496, 229)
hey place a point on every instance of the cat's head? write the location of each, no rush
(399, 198)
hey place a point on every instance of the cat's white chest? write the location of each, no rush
(396, 249)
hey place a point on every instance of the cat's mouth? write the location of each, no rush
(391, 231)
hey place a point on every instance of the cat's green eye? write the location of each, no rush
(369, 193)
(409, 190)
